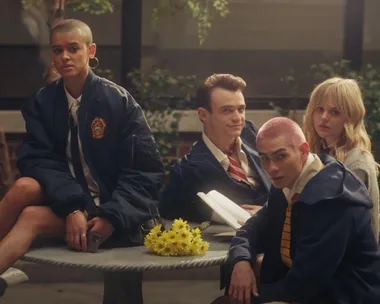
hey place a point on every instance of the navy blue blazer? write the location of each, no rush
(117, 144)
(200, 171)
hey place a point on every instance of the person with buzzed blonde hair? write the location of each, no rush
(315, 229)
(89, 163)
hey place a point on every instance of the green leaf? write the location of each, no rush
(203, 12)
(94, 7)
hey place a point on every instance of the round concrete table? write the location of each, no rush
(123, 267)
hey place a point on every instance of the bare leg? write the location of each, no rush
(33, 221)
(25, 192)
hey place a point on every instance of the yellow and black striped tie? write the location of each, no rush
(286, 232)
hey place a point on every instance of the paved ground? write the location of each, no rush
(51, 285)
(165, 292)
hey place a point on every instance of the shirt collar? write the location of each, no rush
(219, 155)
(300, 183)
(70, 99)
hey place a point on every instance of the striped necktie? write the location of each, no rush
(236, 172)
(286, 232)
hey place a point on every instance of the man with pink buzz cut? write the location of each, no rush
(315, 230)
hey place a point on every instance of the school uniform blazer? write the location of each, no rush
(118, 147)
(200, 171)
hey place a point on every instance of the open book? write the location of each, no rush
(230, 212)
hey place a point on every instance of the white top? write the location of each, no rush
(222, 158)
(364, 166)
(302, 179)
(73, 105)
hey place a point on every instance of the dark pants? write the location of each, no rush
(3, 287)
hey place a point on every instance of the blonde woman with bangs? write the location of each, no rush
(334, 124)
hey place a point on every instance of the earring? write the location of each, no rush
(96, 63)
(54, 71)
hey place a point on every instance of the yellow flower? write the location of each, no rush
(181, 240)
(172, 235)
(196, 232)
(199, 246)
(173, 247)
(148, 243)
(184, 235)
(156, 230)
(152, 236)
(195, 244)
(159, 246)
(204, 247)
(179, 224)
(166, 251)
(183, 246)
(164, 236)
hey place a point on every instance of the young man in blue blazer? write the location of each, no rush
(224, 159)
(315, 230)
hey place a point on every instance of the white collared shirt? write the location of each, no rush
(92, 186)
(222, 158)
(311, 168)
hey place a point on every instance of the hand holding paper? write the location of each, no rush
(251, 209)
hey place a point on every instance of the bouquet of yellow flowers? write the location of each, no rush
(180, 240)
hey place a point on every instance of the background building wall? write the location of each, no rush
(259, 40)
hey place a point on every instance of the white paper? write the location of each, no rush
(230, 212)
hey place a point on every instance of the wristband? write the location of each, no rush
(75, 211)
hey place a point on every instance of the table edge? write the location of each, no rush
(130, 268)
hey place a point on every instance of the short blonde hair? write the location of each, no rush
(70, 25)
(348, 99)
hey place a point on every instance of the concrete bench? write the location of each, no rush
(123, 268)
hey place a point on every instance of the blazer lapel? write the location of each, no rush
(203, 156)
(89, 88)
(61, 116)
(89, 98)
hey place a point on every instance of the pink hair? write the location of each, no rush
(281, 126)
